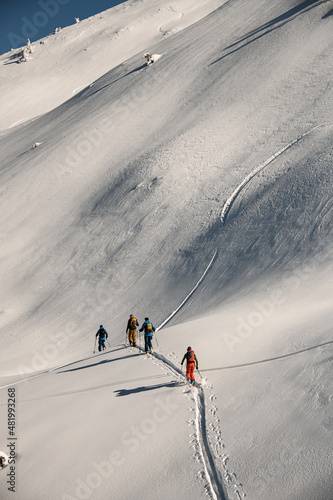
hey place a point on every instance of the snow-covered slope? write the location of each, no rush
(196, 190)
(66, 61)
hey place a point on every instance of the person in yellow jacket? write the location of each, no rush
(191, 362)
(131, 329)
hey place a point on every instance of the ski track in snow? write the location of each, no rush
(190, 294)
(211, 462)
(228, 204)
(167, 31)
(207, 452)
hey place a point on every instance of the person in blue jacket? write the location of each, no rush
(103, 335)
(149, 329)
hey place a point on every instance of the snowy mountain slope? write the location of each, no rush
(118, 210)
(64, 62)
(91, 407)
(137, 163)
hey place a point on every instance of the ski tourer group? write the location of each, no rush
(148, 328)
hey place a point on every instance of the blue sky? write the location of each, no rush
(34, 19)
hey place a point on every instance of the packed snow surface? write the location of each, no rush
(196, 191)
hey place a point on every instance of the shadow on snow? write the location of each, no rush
(99, 363)
(272, 25)
(269, 359)
(127, 392)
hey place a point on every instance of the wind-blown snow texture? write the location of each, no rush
(197, 191)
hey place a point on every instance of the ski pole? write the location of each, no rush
(157, 343)
(109, 343)
(94, 346)
(199, 372)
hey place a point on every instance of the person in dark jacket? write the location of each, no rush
(102, 335)
(149, 329)
(191, 362)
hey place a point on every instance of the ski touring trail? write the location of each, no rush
(204, 440)
(206, 436)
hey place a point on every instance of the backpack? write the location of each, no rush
(190, 357)
(133, 324)
(102, 333)
(149, 327)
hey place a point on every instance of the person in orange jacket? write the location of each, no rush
(191, 362)
(131, 329)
